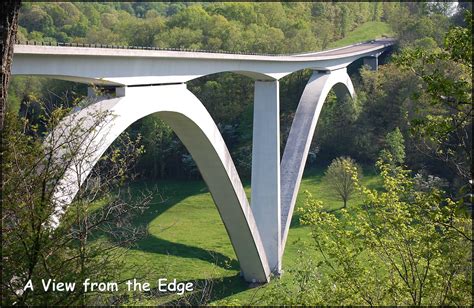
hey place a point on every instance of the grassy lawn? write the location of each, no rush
(187, 240)
(367, 31)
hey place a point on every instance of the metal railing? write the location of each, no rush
(86, 45)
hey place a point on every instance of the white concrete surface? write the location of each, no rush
(301, 134)
(265, 182)
(189, 119)
(142, 67)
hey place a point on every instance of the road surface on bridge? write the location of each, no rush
(130, 66)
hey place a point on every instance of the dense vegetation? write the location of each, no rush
(245, 27)
(413, 116)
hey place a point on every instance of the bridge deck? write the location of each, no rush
(137, 51)
(124, 66)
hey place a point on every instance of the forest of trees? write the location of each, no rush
(250, 27)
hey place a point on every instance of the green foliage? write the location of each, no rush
(416, 21)
(365, 32)
(442, 123)
(32, 247)
(160, 144)
(253, 27)
(394, 152)
(339, 179)
(338, 117)
(401, 247)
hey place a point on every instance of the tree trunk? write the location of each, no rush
(9, 13)
(8, 28)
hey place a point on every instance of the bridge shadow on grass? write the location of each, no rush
(154, 244)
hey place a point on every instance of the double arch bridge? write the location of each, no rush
(154, 81)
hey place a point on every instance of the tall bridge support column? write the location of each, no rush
(372, 62)
(265, 199)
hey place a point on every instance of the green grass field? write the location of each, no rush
(187, 240)
(367, 31)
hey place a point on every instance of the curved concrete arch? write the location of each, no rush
(301, 134)
(343, 89)
(189, 119)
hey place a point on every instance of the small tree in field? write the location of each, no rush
(339, 179)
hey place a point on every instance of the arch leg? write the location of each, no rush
(180, 109)
(300, 136)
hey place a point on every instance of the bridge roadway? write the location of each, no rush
(126, 67)
(153, 81)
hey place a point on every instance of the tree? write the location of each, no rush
(385, 97)
(394, 151)
(339, 179)
(158, 142)
(337, 122)
(401, 246)
(9, 28)
(95, 229)
(411, 21)
(442, 124)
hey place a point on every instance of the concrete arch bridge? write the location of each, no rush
(154, 81)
